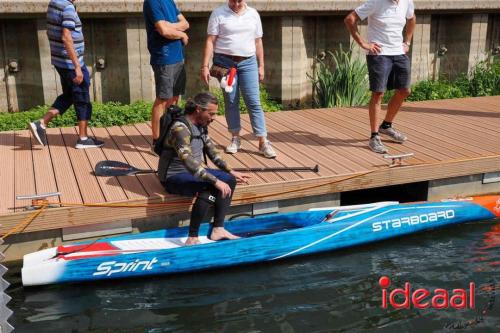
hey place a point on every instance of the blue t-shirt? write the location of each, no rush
(163, 51)
(62, 14)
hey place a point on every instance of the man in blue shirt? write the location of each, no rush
(67, 46)
(165, 27)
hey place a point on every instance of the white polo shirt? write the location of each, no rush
(386, 20)
(235, 33)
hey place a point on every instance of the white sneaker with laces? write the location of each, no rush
(376, 145)
(234, 146)
(267, 150)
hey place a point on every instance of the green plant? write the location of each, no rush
(485, 79)
(432, 90)
(341, 80)
(110, 113)
(103, 115)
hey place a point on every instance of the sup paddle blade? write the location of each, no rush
(116, 168)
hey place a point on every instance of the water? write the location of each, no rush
(330, 292)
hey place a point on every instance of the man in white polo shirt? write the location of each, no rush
(235, 41)
(387, 60)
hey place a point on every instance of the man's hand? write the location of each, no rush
(372, 48)
(406, 48)
(205, 74)
(79, 76)
(185, 39)
(223, 188)
(240, 177)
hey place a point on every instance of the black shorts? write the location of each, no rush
(76, 94)
(170, 80)
(388, 72)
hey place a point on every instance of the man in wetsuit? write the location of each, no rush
(181, 171)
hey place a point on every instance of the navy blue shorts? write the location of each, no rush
(186, 184)
(388, 72)
(78, 95)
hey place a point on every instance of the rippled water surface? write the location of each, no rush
(330, 292)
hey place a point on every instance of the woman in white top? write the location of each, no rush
(235, 40)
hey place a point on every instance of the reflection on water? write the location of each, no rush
(331, 292)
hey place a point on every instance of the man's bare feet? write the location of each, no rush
(219, 233)
(192, 241)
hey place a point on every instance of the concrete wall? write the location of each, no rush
(296, 33)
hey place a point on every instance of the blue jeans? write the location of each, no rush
(247, 82)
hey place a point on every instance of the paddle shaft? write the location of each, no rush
(313, 169)
(115, 168)
(270, 169)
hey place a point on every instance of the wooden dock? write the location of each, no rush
(449, 138)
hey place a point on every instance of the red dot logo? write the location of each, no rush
(384, 282)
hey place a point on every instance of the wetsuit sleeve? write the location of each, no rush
(180, 140)
(215, 155)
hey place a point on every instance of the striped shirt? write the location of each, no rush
(62, 14)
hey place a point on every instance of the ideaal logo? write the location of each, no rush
(422, 298)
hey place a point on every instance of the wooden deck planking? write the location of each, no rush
(23, 163)
(65, 178)
(457, 133)
(302, 152)
(360, 125)
(490, 127)
(45, 180)
(7, 172)
(314, 142)
(110, 186)
(356, 147)
(150, 182)
(131, 186)
(453, 138)
(285, 156)
(431, 138)
(84, 171)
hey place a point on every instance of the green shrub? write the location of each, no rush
(485, 79)
(341, 80)
(110, 113)
(432, 90)
(103, 115)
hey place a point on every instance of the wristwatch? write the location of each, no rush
(407, 43)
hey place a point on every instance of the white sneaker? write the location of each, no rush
(376, 145)
(267, 150)
(234, 146)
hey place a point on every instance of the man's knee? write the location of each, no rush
(405, 92)
(165, 102)
(207, 196)
(377, 96)
(231, 181)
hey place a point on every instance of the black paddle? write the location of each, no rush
(116, 168)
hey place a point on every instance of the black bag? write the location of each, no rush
(172, 114)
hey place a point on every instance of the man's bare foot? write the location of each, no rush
(192, 241)
(219, 233)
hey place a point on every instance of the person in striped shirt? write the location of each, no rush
(67, 46)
